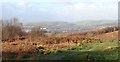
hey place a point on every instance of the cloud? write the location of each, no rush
(43, 10)
(92, 6)
(89, 11)
(113, 6)
(62, 8)
(21, 4)
(81, 6)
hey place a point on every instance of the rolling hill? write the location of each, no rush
(67, 27)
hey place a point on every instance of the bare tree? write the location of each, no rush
(10, 31)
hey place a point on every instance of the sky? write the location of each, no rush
(59, 10)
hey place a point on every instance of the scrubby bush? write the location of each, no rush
(10, 31)
(103, 30)
(36, 32)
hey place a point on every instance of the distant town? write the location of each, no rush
(62, 27)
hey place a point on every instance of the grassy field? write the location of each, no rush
(107, 50)
(91, 45)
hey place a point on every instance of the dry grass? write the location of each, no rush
(111, 35)
(36, 38)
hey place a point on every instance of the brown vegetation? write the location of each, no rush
(11, 31)
(18, 43)
(36, 32)
(96, 32)
(111, 36)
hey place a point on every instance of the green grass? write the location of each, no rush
(107, 50)
(93, 51)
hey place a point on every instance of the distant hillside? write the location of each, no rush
(99, 33)
(98, 22)
(66, 27)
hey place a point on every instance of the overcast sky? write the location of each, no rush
(59, 10)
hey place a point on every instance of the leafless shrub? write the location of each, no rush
(36, 32)
(10, 31)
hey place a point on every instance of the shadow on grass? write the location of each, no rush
(79, 55)
(73, 56)
(76, 54)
